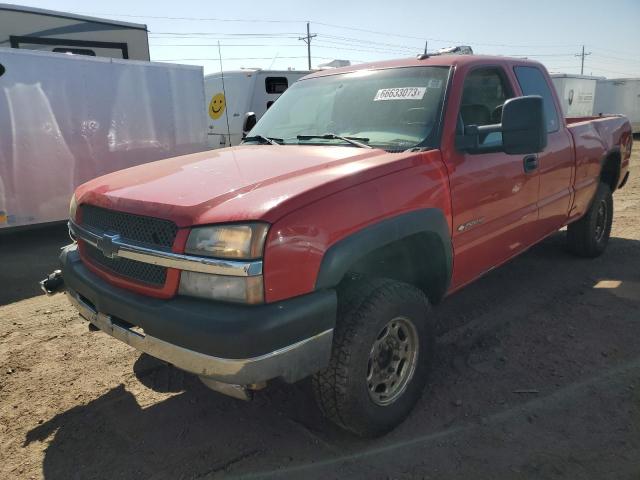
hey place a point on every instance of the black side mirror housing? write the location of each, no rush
(523, 129)
(248, 123)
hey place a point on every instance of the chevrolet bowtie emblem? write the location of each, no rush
(108, 245)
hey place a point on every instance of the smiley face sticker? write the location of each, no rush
(217, 106)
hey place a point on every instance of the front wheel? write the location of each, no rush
(588, 237)
(382, 351)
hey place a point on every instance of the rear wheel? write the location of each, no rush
(588, 237)
(382, 350)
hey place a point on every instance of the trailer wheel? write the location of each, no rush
(588, 237)
(382, 351)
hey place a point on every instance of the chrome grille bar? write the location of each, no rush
(112, 246)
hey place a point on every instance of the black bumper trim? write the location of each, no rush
(212, 328)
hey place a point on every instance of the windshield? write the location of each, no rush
(393, 109)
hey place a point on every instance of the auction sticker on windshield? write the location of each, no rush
(400, 93)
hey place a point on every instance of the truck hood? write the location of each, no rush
(248, 182)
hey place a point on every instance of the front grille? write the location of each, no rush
(140, 272)
(153, 232)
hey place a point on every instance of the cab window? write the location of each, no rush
(484, 93)
(532, 82)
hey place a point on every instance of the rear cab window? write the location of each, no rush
(533, 82)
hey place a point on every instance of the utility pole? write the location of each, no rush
(582, 55)
(307, 40)
(425, 46)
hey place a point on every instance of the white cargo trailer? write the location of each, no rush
(245, 91)
(620, 95)
(65, 119)
(61, 32)
(576, 92)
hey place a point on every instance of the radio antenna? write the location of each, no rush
(224, 93)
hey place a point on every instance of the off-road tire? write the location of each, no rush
(588, 237)
(341, 390)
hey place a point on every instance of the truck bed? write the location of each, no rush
(596, 138)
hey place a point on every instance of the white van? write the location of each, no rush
(245, 91)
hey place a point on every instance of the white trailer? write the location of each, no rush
(245, 91)
(61, 32)
(620, 95)
(65, 119)
(576, 92)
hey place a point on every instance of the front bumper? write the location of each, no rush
(233, 344)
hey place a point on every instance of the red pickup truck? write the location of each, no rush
(315, 249)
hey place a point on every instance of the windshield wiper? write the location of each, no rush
(263, 139)
(357, 141)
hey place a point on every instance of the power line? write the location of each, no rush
(371, 50)
(224, 44)
(626, 60)
(614, 71)
(519, 55)
(365, 42)
(230, 58)
(333, 25)
(262, 34)
(622, 52)
(387, 34)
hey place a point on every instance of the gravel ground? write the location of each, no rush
(537, 376)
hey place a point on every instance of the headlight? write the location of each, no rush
(228, 241)
(73, 206)
(222, 287)
(237, 242)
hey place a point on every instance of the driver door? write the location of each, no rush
(494, 195)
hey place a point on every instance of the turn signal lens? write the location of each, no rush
(221, 287)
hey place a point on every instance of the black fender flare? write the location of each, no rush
(346, 252)
(612, 152)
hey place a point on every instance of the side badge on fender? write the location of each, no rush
(466, 226)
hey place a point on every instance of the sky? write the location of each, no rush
(265, 34)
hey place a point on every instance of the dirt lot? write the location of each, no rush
(537, 376)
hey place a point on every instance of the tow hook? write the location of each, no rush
(53, 284)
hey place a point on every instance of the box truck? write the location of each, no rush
(65, 119)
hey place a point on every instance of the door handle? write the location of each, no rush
(530, 163)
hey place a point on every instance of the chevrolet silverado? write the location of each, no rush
(315, 249)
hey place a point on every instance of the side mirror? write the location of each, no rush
(523, 129)
(248, 123)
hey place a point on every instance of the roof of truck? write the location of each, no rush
(432, 61)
